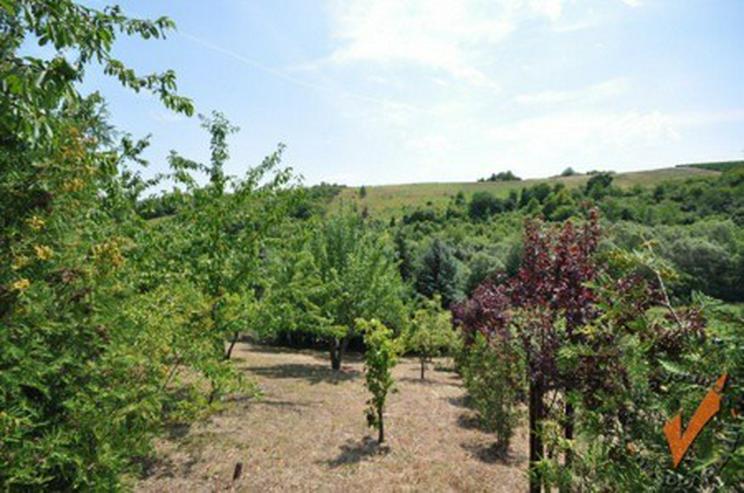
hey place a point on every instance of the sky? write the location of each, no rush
(397, 91)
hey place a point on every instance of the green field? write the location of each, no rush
(387, 200)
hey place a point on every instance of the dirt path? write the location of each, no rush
(308, 433)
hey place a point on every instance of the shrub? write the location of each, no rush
(431, 333)
(491, 374)
(483, 205)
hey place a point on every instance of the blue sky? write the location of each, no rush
(394, 91)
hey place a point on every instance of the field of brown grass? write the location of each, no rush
(308, 433)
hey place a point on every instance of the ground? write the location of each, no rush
(309, 433)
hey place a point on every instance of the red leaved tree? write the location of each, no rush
(542, 306)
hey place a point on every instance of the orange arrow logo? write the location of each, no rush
(680, 442)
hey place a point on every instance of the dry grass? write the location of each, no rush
(390, 200)
(308, 433)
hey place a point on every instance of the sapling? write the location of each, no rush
(380, 357)
(431, 333)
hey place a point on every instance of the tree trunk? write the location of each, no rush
(381, 431)
(335, 354)
(536, 443)
(234, 340)
(568, 433)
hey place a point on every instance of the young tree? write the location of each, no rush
(380, 356)
(492, 375)
(437, 273)
(431, 333)
(358, 278)
(227, 222)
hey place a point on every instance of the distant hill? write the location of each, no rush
(717, 166)
(388, 200)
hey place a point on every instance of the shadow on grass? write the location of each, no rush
(470, 421)
(175, 431)
(417, 380)
(462, 401)
(162, 467)
(353, 452)
(248, 401)
(492, 453)
(314, 374)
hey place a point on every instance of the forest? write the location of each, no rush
(584, 316)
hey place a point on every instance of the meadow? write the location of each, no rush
(200, 331)
(389, 200)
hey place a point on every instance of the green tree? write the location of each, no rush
(437, 273)
(491, 373)
(483, 205)
(380, 356)
(227, 222)
(355, 267)
(79, 394)
(431, 333)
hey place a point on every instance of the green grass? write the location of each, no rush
(388, 200)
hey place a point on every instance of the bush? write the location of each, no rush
(491, 375)
(431, 333)
(483, 205)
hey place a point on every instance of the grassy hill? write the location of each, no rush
(386, 200)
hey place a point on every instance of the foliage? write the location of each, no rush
(88, 373)
(430, 334)
(617, 367)
(437, 273)
(34, 88)
(568, 172)
(502, 176)
(492, 377)
(348, 272)
(483, 205)
(380, 356)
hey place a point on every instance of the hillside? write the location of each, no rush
(387, 200)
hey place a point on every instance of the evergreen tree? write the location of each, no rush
(437, 273)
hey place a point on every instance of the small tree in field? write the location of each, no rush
(431, 332)
(379, 359)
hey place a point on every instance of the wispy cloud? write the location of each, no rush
(452, 37)
(592, 93)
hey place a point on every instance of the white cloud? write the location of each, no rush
(632, 3)
(449, 36)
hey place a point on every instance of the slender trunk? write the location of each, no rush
(335, 355)
(381, 431)
(233, 341)
(536, 443)
(338, 348)
(423, 367)
(568, 433)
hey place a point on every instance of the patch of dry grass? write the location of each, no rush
(308, 433)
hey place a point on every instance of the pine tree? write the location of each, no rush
(437, 273)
